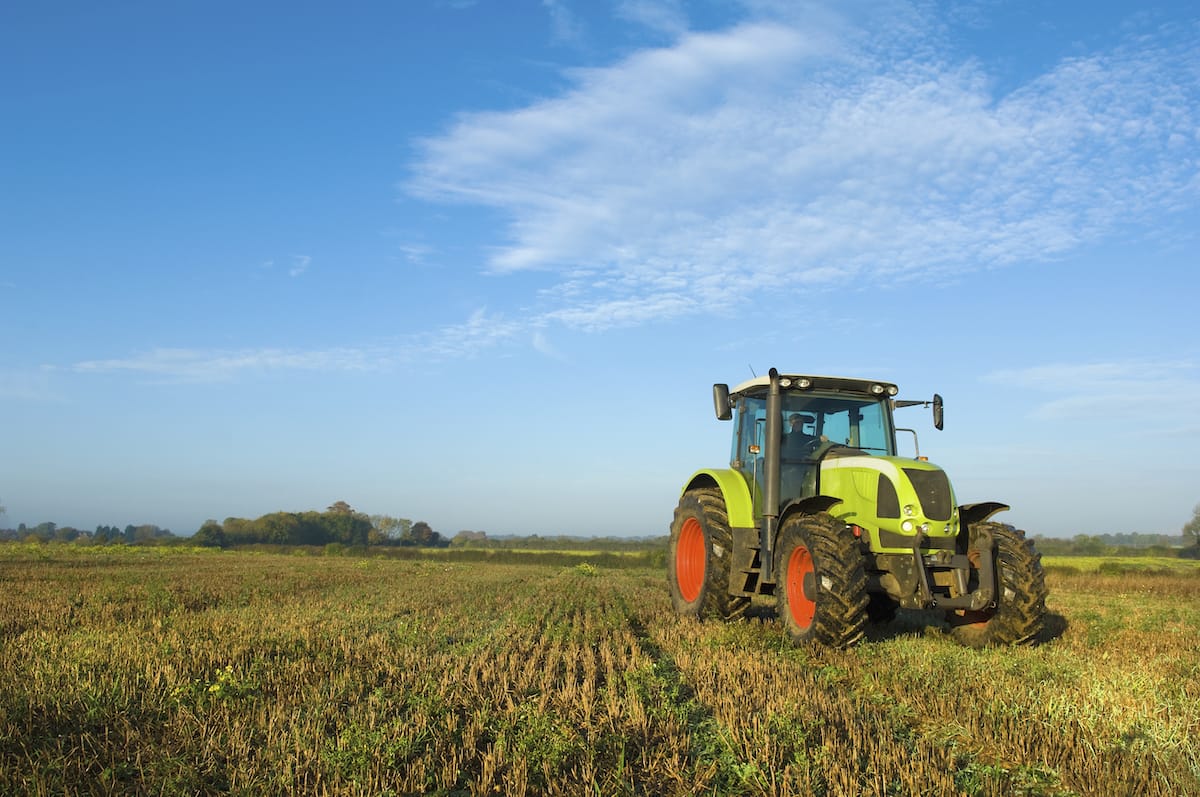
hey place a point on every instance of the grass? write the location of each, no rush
(139, 671)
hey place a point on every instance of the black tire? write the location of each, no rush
(699, 557)
(831, 608)
(1020, 612)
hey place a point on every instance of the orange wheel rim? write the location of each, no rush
(802, 609)
(689, 560)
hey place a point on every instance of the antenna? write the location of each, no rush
(752, 374)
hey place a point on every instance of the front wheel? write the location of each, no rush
(700, 555)
(821, 595)
(1020, 611)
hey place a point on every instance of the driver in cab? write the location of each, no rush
(798, 444)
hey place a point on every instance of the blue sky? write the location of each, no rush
(479, 263)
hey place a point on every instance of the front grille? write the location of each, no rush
(887, 503)
(933, 491)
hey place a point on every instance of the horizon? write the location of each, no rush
(480, 264)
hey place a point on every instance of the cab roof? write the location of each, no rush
(843, 384)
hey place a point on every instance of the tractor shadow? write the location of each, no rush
(917, 623)
(931, 622)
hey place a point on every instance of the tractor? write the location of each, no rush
(818, 511)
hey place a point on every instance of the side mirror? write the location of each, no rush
(721, 402)
(938, 412)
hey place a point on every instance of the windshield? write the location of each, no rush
(855, 422)
(811, 423)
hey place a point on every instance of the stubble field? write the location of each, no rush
(144, 671)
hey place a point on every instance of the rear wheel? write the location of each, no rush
(822, 589)
(1020, 611)
(698, 561)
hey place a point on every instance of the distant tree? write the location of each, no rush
(105, 534)
(44, 531)
(1191, 533)
(466, 539)
(312, 529)
(210, 535)
(66, 534)
(386, 529)
(239, 531)
(277, 528)
(423, 534)
(345, 525)
(147, 532)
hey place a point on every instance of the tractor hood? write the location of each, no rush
(896, 498)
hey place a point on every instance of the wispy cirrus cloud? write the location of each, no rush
(480, 333)
(778, 156)
(215, 365)
(666, 16)
(299, 265)
(1107, 388)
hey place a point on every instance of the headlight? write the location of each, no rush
(906, 526)
(909, 510)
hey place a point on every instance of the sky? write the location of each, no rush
(479, 263)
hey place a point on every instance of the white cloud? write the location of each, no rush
(565, 27)
(1097, 389)
(543, 345)
(198, 365)
(666, 16)
(478, 334)
(299, 265)
(687, 179)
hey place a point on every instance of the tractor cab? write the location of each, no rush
(827, 417)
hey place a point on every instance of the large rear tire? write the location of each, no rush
(699, 557)
(1020, 612)
(821, 593)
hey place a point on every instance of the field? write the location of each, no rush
(139, 671)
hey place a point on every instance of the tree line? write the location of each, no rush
(1130, 544)
(102, 535)
(342, 525)
(338, 525)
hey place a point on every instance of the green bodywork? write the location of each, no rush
(854, 482)
(738, 504)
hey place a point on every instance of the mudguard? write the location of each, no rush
(974, 513)
(738, 504)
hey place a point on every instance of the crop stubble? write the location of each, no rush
(132, 671)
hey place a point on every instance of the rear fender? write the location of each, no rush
(738, 504)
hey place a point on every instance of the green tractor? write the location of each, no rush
(819, 511)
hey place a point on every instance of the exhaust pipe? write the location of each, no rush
(771, 451)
